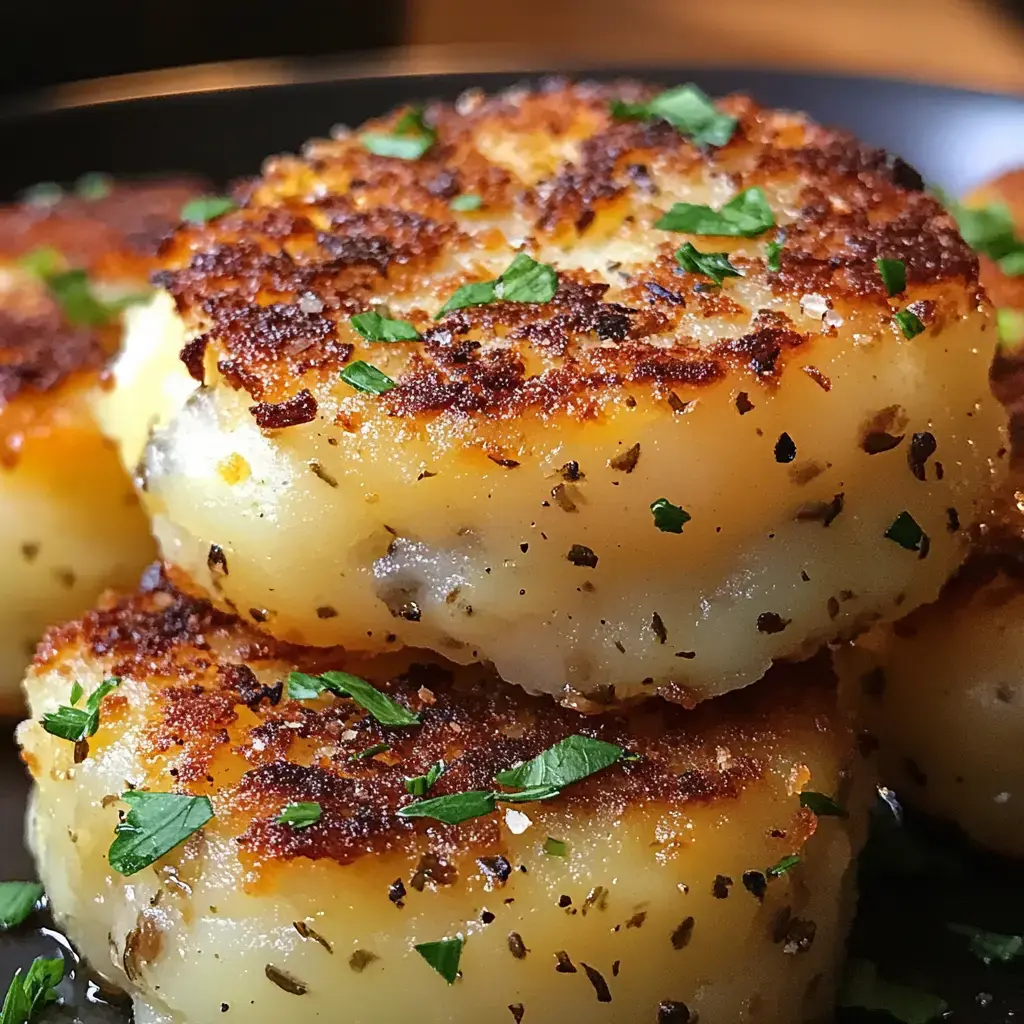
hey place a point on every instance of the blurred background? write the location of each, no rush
(977, 43)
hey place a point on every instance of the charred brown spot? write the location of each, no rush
(771, 622)
(743, 403)
(290, 413)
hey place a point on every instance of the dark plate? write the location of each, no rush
(221, 121)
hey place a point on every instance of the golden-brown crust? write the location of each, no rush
(204, 699)
(114, 238)
(269, 288)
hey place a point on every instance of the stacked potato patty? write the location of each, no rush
(70, 523)
(464, 433)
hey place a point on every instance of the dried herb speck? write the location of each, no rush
(600, 985)
(285, 981)
(518, 1011)
(626, 461)
(672, 1012)
(563, 964)
(720, 887)
(516, 946)
(785, 448)
(217, 561)
(922, 448)
(682, 935)
(756, 884)
(659, 628)
(361, 959)
(743, 403)
(771, 622)
(581, 555)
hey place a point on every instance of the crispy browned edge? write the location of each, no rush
(166, 638)
(237, 280)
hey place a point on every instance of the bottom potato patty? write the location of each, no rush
(686, 878)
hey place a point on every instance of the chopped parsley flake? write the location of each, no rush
(893, 274)
(906, 532)
(990, 231)
(991, 946)
(155, 825)
(411, 138)
(206, 208)
(300, 815)
(74, 724)
(556, 847)
(17, 901)
(443, 956)
(385, 710)
(364, 377)
(72, 291)
(465, 203)
(454, 808)
(377, 748)
(32, 991)
(375, 327)
(821, 805)
(685, 107)
(909, 323)
(568, 761)
(1010, 327)
(773, 254)
(525, 280)
(783, 866)
(93, 186)
(744, 216)
(669, 518)
(715, 265)
(420, 785)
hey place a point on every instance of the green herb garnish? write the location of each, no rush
(411, 138)
(155, 825)
(300, 815)
(568, 761)
(910, 323)
(688, 109)
(364, 377)
(783, 866)
(744, 216)
(990, 946)
(669, 518)
(443, 956)
(556, 847)
(420, 785)
(454, 808)
(990, 231)
(377, 748)
(773, 256)
(74, 724)
(465, 203)
(821, 805)
(525, 280)
(905, 532)
(374, 327)
(93, 186)
(43, 193)
(715, 265)
(1010, 327)
(865, 990)
(206, 208)
(387, 711)
(17, 901)
(893, 274)
(32, 991)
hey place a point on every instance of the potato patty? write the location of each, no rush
(942, 694)
(70, 523)
(642, 893)
(612, 475)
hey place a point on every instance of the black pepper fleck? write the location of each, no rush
(672, 1012)
(682, 935)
